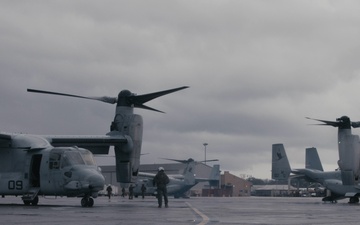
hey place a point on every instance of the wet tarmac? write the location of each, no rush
(244, 210)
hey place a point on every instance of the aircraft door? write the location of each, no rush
(34, 175)
(53, 182)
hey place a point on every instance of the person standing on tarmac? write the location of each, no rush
(160, 181)
(123, 192)
(109, 191)
(143, 189)
(131, 191)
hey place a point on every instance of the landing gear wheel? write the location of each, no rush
(87, 202)
(90, 202)
(353, 200)
(84, 202)
(35, 201)
(27, 202)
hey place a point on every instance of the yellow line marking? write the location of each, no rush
(205, 219)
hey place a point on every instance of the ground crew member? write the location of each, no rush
(143, 189)
(123, 192)
(131, 191)
(109, 191)
(160, 181)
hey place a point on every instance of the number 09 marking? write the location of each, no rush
(12, 185)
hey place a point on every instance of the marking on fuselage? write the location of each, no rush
(205, 219)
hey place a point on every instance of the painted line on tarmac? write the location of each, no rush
(205, 219)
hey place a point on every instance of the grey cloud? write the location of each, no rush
(255, 70)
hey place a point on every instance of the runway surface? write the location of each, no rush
(242, 210)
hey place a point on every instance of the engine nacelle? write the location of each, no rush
(349, 158)
(128, 156)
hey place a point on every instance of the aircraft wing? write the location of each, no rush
(97, 144)
(171, 176)
(146, 175)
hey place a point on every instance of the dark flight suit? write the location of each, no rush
(109, 191)
(161, 180)
(131, 191)
(143, 189)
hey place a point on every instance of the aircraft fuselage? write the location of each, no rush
(55, 171)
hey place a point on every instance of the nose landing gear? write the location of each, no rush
(87, 201)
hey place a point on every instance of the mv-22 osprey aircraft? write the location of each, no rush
(179, 183)
(349, 159)
(313, 171)
(63, 165)
(343, 183)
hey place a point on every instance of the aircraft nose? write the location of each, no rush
(96, 182)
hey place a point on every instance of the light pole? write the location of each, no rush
(205, 144)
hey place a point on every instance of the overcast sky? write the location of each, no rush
(255, 69)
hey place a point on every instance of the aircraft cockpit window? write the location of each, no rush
(70, 158)
(54, 160)
(88, 158)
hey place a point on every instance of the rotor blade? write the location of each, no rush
(105, 99)
(141, 106)
(355, 124)
(141, 99)
(176, 160)
(330, 123)
(210, 160)
(190, 160)
(180, 161)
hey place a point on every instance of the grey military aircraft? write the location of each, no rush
(179, 183)
(31, 166)
(349, 156)
(313, 172)
(348, 147)
(281, 166)
(63, 165)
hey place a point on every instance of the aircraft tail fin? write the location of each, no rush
(189, 172)
(280, 163)
(214, 179)
(312, 159)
